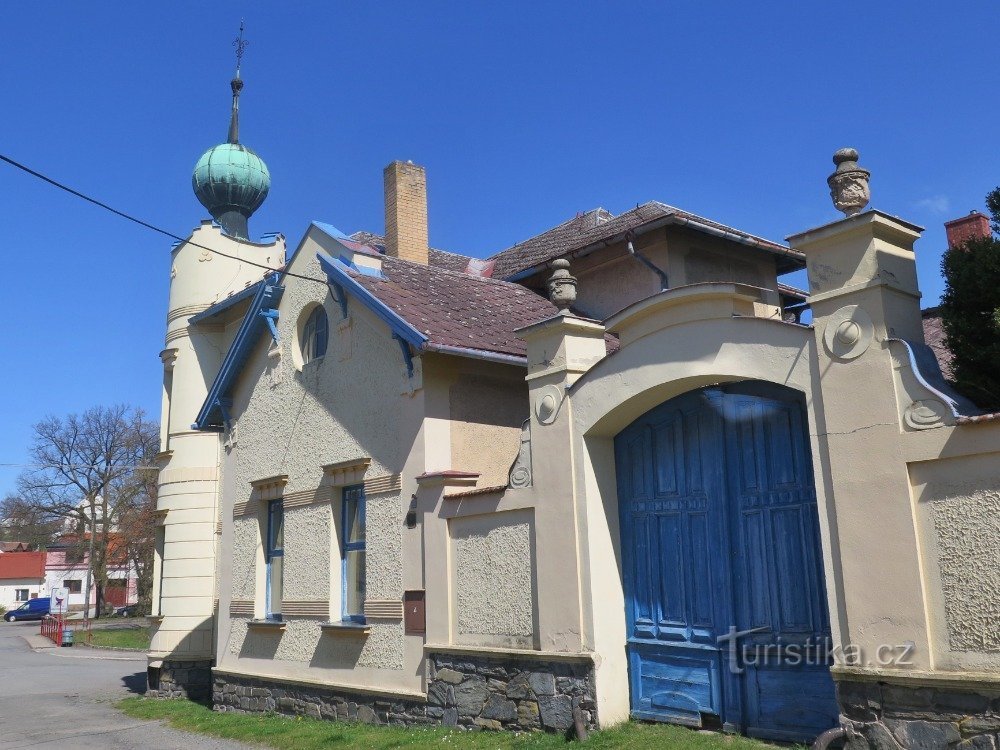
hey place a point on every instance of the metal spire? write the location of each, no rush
(237, 85)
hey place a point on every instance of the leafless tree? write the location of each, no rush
(88, 469)
(22, 522)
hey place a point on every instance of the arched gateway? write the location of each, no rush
(726, 610)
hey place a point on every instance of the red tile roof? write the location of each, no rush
(935, 337)
(599, 225)
(22, 565)
(454, 309)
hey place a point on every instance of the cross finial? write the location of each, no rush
(237, 85)
(240, 44)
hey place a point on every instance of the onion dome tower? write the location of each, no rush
(230, 180)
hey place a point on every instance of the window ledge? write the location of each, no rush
(345, 627)
(267, 624)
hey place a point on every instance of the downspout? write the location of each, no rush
(629, 236)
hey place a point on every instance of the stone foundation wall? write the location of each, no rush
(496, 693)
(469, 691)
(895, 717)
(182, 679)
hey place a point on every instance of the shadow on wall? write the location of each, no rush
(339, 652)
(198, 640)
(260, 643)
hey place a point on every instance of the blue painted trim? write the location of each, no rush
(270, 316)
(407, 356)
(348, 546)
(341, 298)
(211, 417)
(375, 273)
(337, 274)
(225, 304)
(271, 550)
(330, 229)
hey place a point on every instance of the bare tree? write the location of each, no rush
(88, 471)
(23, 522)
(138, 523)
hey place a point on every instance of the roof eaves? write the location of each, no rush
(210, 417)
(676, 217)
(472, 353)
(228, 302)
(337, 273)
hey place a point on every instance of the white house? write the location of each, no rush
(22, 577)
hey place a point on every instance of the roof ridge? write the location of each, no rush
(553, 229)
(461, 275)
(381, 237)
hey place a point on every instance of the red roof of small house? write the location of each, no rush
(13, 547)
(22, 565)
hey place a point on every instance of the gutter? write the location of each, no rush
(461, 351)
(669, 220)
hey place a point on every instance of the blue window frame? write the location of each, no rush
(314, 335)
(274, 555)
(353, 553)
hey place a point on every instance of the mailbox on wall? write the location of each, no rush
(414, 613)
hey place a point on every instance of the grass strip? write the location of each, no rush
(311, 734)
(121, 638)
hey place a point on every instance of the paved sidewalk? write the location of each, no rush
(53, 697)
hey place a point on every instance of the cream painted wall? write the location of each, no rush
(957, 511)
(610, 279)
(494, 579)
(292, 419)
(185, 589)
(487, 404)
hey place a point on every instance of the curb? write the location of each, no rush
(112, 648)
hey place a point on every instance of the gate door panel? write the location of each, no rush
(719, 531)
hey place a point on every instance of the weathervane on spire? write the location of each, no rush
(237, 85)
(240, 44)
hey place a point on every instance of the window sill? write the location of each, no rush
(345, 627)
(267, 624)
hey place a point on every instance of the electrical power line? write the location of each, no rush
(146, 224)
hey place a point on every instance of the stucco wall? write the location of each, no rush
(291, 419)
(487, 411)
(610, 279)
(958, 515)
(494, 579)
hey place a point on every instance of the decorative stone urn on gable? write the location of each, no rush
(849, 183)
(562, 285)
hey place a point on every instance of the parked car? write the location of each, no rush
(35, 609)
(129, 610)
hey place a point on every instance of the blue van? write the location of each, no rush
(35, 609)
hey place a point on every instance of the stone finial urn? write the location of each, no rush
(562, 285)
(849, 183)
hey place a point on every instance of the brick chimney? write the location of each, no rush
(406, 211)
(975, 226)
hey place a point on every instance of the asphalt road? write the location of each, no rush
(64, 698)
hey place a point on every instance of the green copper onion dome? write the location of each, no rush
(230, 180)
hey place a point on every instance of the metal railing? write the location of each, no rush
(64, 632)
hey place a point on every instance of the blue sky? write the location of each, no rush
(524, 114)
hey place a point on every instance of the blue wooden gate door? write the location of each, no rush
(726, 606)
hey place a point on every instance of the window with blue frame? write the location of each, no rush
(274, 556)
(353, 553)
(314, 335)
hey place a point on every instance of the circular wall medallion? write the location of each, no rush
(547, 404)
(849, 332)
